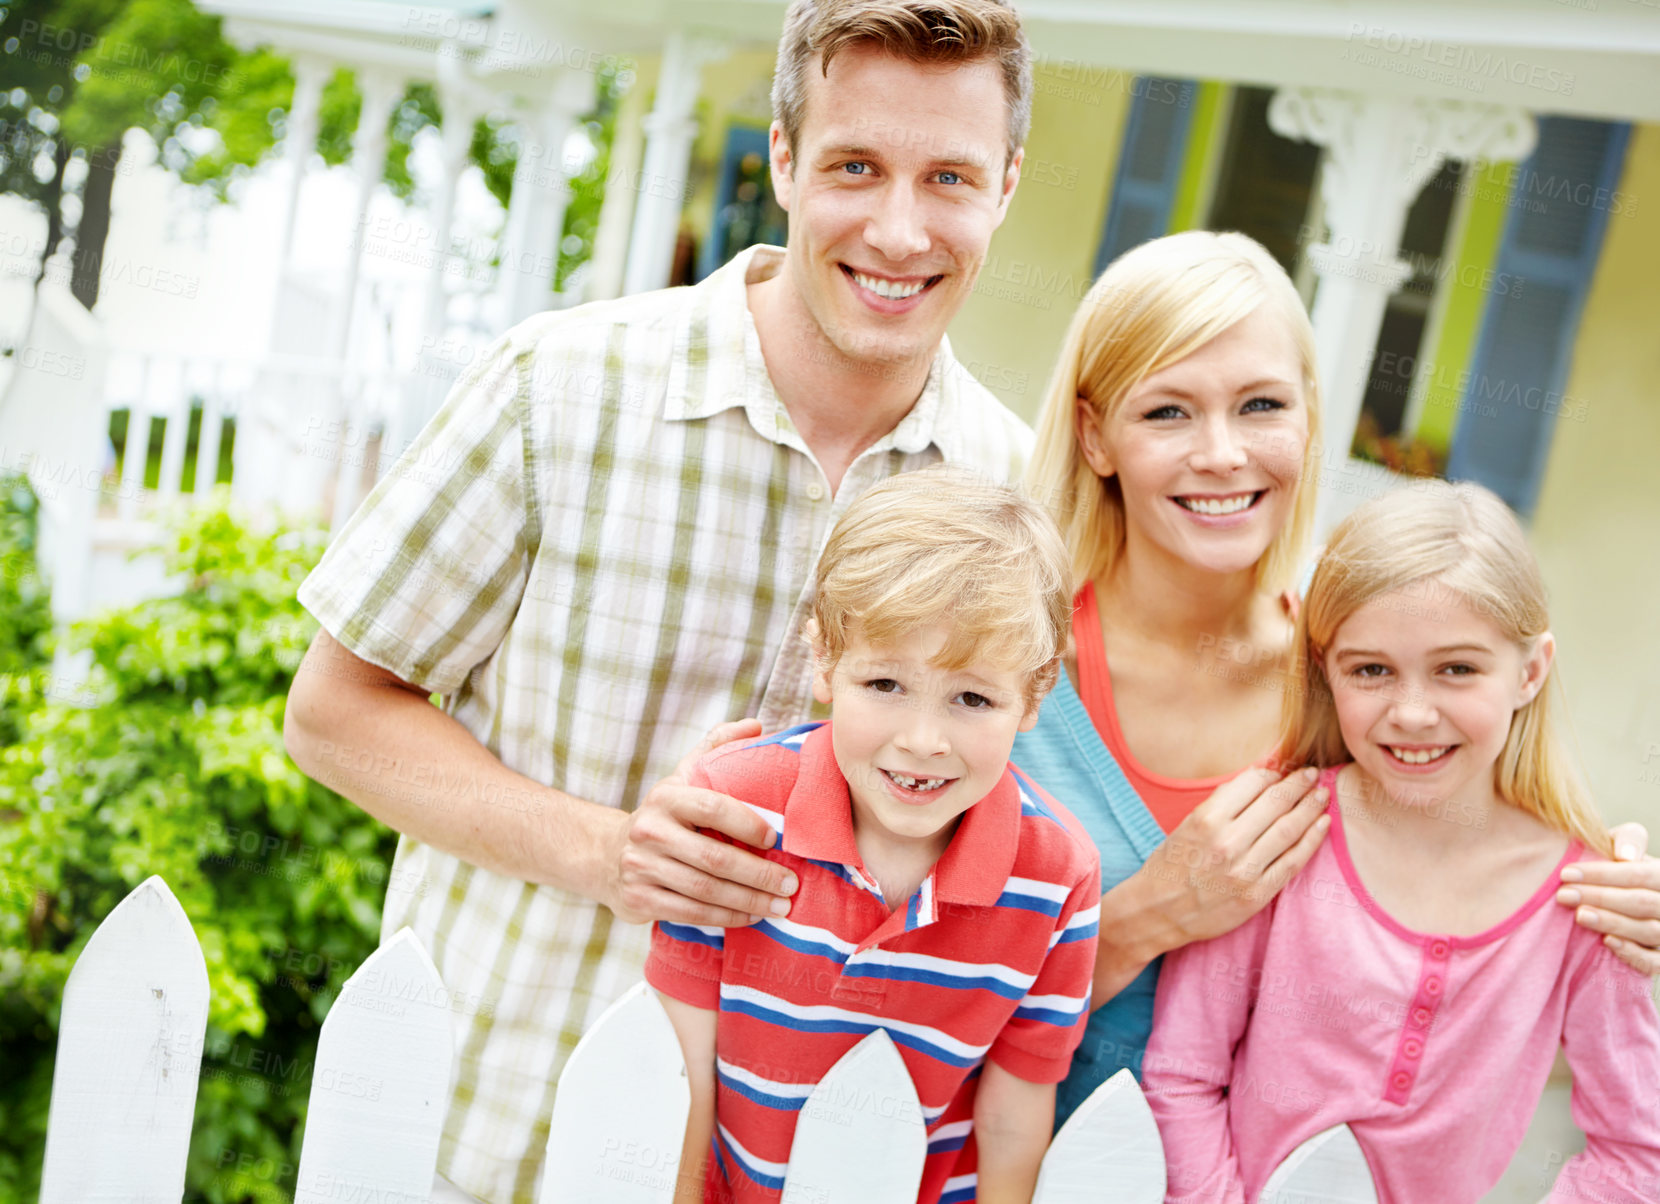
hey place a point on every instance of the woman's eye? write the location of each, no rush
(1162, 413)
(976, 702)
(1263, 405)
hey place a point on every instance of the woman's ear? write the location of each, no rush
(1536, 668)
(1086, 425)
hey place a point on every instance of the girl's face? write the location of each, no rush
(1425, 688)
(1208, 451)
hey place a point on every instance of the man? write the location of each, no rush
(602, 545)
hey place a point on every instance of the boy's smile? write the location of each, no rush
(918, 744)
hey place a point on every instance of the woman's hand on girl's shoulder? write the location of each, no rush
(1620, 898)
(1235, 852)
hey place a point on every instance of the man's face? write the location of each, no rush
(895, 185)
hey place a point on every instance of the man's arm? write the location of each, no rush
(376, 739)
(1013, 1120)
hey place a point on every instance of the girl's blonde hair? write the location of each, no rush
(1156, 305)
(1444, 545)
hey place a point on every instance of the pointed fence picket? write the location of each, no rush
(130, 1045)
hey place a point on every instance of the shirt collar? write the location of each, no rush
(716, 364)
(973, 869)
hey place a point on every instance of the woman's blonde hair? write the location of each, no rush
(1444, 545)
(1156, 305)
(945, 544)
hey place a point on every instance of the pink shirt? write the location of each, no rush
(1322, 1010)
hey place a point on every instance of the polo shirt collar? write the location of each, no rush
(716, 364)
(974, 868)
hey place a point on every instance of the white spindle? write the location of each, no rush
(1111, 1138)
(619, 1117)
(1328, 1167)
(137, 450)
(207, 441)
(381, 1083)
(129, 1052)
(861, 1134)
(174, 404)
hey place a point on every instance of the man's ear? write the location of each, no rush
(1086, 425)
(1011, 181)
(1536, 668)
(782, 162)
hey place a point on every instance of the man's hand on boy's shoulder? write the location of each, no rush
(659, 866)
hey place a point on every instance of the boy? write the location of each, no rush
(943, 896)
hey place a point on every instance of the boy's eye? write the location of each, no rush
(975, 702)
(882, 685)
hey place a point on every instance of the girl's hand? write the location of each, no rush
(1221, 866)
(1234, 853)
(1620, 898)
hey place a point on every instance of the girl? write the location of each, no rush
(1414, 980)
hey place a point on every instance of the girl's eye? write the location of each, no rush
(1369, 672)
(1460, 670)
(1263, 405)
(975, 702)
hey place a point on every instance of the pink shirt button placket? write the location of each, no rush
(1409, 1053)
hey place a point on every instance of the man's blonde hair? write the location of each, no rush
(923, 31)
(945, 544)
(1154, 306)
(1462, 546)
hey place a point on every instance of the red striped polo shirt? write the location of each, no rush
(991, 957)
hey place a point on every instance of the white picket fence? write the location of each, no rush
(130, 1044)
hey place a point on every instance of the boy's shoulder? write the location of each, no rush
(1053, 843)
(760, 772)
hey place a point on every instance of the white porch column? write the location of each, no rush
(300, 136)
(460, 105)
(1379, 153)
(536, 209)
(670, 129)
(381, 92)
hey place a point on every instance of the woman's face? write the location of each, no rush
(1208, 451)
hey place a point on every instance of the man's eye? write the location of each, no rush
(856, 169)
(949, 177)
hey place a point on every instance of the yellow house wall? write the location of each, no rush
(1038, 269)
(1595, 526)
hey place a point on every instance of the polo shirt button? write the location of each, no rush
(815, 492)
(1432, 985)
(1438, 949)
(1414, 1047)
(1420, 1017)
(1402, 1080)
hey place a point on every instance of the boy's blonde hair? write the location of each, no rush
(1465, 542)
(1155, 305)
(922, 31)
(945, 544)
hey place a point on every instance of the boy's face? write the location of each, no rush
(919, 744)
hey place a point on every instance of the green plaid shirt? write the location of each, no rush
(599, 548)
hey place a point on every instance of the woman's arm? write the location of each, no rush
(1620, 898)
(695, 1027)
(1221, 866)
(1013, 1120)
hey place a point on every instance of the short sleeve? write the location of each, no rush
(425, 578)
(685, 962)
(1038, 1041)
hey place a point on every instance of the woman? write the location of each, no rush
(1173, 448)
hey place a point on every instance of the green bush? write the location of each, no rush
(179, 770)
